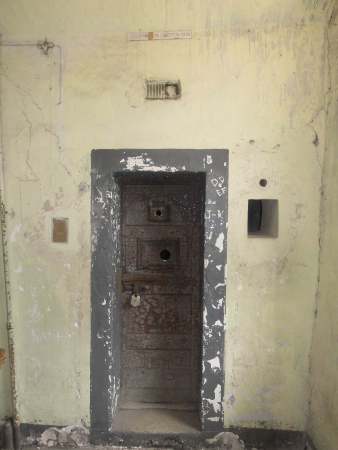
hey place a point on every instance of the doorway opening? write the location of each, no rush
(158, 283)
(162, 238)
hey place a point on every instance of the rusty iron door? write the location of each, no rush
(162, 234)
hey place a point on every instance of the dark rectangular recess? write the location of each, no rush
(263, 218)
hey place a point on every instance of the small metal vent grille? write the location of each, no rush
(163, 90)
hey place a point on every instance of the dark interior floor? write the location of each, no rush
(156, 420)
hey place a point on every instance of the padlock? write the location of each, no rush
(135, 300)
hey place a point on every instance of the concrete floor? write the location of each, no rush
(166, 421)
(175, 422)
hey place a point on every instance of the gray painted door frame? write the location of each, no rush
(105, 275)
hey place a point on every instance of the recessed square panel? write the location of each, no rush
(158, 211)
(157, 255)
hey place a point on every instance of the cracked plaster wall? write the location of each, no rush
(5, 391)
(323, 420)
(253, 82)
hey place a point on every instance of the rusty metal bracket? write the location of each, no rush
(45, 46)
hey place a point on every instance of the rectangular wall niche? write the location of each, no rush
(105, 372)
(263, 218)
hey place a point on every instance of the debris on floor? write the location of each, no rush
(71, 436)
(226, 441)
(74, 436)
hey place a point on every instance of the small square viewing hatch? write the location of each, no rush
(263, 218)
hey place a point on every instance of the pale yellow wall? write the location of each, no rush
(253, 80)
(323, 423)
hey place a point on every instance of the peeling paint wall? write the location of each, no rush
(323, 421)
(5, 387)
(252, 81)
(105, 312)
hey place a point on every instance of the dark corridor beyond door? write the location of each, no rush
(162, 250)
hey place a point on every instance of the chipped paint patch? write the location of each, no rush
(216, 402)
(205, 316)
(220, 242)
(215, 362)
(144, 163)
(15, 232)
